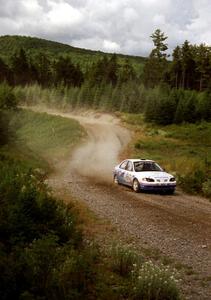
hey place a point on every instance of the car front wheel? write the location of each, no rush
(116, 181)
(136, 186)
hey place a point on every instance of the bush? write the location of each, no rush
(153, 282)
(123, 260)
(206, 188)
(4, 128)
(35, 232)
(7, 97)
(192, 182)
(28, 212)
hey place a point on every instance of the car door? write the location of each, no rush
(122, 171)
(128, 177)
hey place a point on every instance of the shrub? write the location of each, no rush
(76, 274)
(137, 145)
(206, 188)
(123, 260)
(7, 97)
(192, 182)
(154, 282)
(4, 128)
(35, 231)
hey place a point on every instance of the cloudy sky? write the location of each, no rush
(121, 26)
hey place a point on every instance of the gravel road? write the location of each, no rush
(179, 226)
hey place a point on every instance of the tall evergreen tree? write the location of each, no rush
(188, 66)
(44, 69)
(104, 71)
(176, 68)
(67, 73)
(20, 68)
(5, 74)
(126, 72)
(157, 62)
(111, 70)
(203, 65)
(4, 128)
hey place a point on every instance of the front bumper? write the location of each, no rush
(158, 187)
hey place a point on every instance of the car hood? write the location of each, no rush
(154, 175)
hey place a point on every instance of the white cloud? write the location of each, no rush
(31, 7)
(63, 14)
(110, 46)
(109, 25)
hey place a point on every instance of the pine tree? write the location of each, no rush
(188, 66)
(176, 68)
(44, 69)
(157, 62)
(126, 72)
(111, 71)
(67, 73)
(203, 65)
(4, 72)
(20, 68)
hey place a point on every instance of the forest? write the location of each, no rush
(165, 89)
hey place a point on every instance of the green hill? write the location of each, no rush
(32, 45)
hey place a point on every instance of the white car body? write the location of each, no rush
(144, 175)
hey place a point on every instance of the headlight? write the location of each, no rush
(148, 179)
(172, 179)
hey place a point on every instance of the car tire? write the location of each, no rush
(116, 181)
(171, 192)
(136, 186)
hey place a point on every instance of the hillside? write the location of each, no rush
(32, 45)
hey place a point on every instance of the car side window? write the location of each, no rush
(123, 165)
(129, 166)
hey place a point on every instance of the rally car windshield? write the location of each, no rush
(146, 166)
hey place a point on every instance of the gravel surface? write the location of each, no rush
(179, 226)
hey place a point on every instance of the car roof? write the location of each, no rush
(137, 160)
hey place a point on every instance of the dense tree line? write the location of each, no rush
(182, 87)
(24, 69)
(165, 91)
(190, 67)
(167, 106)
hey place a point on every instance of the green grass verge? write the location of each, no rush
(38, 137)
(180, 149)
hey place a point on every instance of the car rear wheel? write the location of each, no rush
(116, 181)
(136, 186)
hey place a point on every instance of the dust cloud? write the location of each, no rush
(97, 156)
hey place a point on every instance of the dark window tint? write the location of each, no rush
(124, 164)
(146, 166)
(129, 166)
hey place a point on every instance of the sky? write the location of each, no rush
(122, 26)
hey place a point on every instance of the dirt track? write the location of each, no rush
(179, 226)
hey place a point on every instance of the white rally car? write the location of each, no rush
(144, 175)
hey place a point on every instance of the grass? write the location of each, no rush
(155, 282)
(180, 149)
(38, 138)
(43, 136)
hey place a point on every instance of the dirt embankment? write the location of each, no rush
(179, 226)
